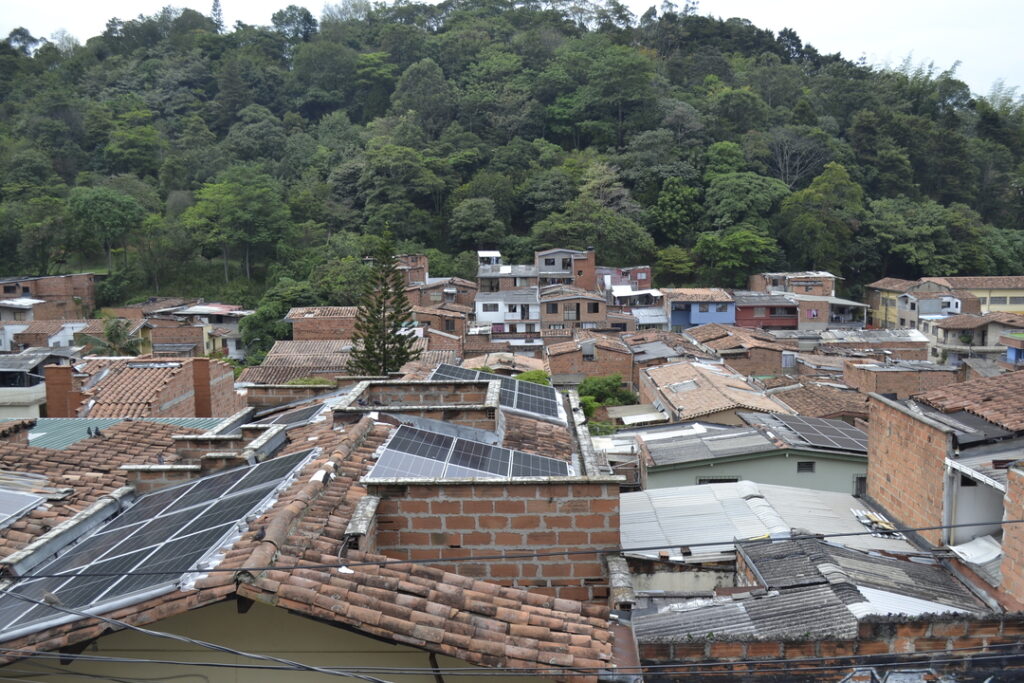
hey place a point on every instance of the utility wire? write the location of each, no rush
(512, 556)
(298, 666)
(569, 671)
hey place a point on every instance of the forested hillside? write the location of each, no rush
(185, 157)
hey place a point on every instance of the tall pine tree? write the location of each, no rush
(380, 344)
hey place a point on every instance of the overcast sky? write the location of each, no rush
(983, 35)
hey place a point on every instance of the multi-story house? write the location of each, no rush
(1001, 293)
(564, 307)
(550, 267)
(510, 310)
(766, 310)
(972, 336)
(816, 282)
(691, 307)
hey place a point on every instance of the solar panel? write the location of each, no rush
(402, 458)
(826, 433)
(149, 546)
(292, 417)
(14, 504)
(527, 397)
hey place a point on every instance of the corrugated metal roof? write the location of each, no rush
(60, 432)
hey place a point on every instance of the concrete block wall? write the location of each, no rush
(906, 466)
(457, 520)
(427, 393)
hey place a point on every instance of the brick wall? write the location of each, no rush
(63, 391)
(267, 396)
(1012, 565)
(903, 383)
(449, 520)
(437, 320)
(182, 334)
(606, 362)
(77, 291)
(323, 328)
(177, 397)
(909, 350)
(906, 465)
(755, 361)
(220, 388)
(936, 640)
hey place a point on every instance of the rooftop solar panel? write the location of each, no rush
(535, 399)
(14, 504)
(401, 458)
(826, 433)
(162, 536)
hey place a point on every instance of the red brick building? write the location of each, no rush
(322, 322)
(589, 355)
(142, 387)
(69, 297)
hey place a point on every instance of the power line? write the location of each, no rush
(506, 556)
(928, 657)
(298, 666)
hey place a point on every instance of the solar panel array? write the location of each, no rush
(159, 538)
(416, 454)
(525, 397)
(14, 504)
(826, 433)
(292, 417)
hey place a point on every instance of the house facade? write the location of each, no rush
(687, 308)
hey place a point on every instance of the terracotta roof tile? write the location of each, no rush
(695, 390)
(998, 399)
(892, 284)
(971, 322)
(306, 312)
(820, 400)
(980, 282)
(705, 294)
(721, 337)
(535, 436)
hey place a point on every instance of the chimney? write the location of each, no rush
(201, 387)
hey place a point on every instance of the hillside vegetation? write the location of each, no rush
(260, 161)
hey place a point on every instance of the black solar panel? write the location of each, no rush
(292, 417)
(530, 465)
(151, 545)
(527, 397)
(826, 433)
(463, 459)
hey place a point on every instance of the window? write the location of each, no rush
(589, 356)
(967, 481)
(903, 323)
(549, 262)
(490, 308)
(1017, 299)
(759, 311)
(567, 264)
(493, 285)
(997, 300)
(717, 480)
(10, 289)
(593, 307)
(808, 288)
(860, 485)
(913, 324)
(512, 308)
(913, 306)
(449, 325)
(435, 296)
(531, 327)
(982, 300)
(703, 308)
(641, 276)
(579, 273)
(924, 327)
(26, 290)
(552, 308)
(805, 466)
(775, 282)
(556, 326)
(721, 308)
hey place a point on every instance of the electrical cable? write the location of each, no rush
(494, 671)
(513, 556)
(299, 666)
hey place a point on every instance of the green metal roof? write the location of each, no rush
(60, 432)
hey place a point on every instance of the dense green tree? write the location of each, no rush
(117, 339)
(105, 215)
(817, 224)
(381, 341)
(726, 257)
(606, 390)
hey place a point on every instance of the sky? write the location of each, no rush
(983, 35)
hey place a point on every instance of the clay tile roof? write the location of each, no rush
(536, 436)
(980, 282)
(88, 469)
(998, 399)
(970, 321)
(458, 308)
(820, 400)
(321, 312)
(305, 347)
(695, 390)
(892, 284)
(712, 294)
(720, 337)
(282, 374)
(441, 312)
(129, 391)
